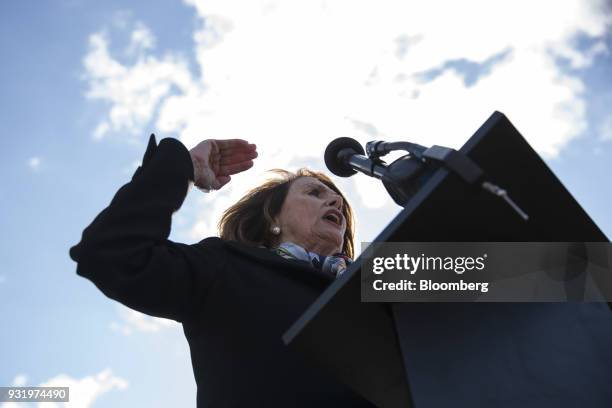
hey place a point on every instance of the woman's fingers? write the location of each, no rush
(231, 146)
(237, 157)
(235, 151)
(228, 144)
(221, 181)
(235, 168)
(243, 149)
(219, 159)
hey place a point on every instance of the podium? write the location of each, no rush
(470, 354)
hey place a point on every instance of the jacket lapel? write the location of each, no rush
(267, 257)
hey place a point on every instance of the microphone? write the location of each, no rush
(406, 175)
(345, 156)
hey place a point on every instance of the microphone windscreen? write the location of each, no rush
(335, 161)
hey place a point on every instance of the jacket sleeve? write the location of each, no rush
(125, 251)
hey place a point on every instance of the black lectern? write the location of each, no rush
(470, 354)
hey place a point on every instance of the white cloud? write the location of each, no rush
(133, 321)
(20, 380)
(83, 391)
(292, 75)
(141, 40)
(101, 130)
(134, 91)
(34, 163)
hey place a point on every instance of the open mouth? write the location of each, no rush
(333, 217)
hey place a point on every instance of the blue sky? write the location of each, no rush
(85, 82)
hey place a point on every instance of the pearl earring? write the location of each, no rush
(275, 230)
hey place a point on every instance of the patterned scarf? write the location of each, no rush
(334, 265)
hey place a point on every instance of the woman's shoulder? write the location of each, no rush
(221, 246)
(232, 248)
(216, 242)
(211, 242)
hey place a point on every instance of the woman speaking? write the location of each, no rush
(278, 248)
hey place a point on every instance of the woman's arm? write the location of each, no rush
(125, 251)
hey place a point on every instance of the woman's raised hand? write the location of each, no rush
(214, 161)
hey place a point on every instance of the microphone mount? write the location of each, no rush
(407, 174)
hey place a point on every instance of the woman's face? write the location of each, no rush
(312, 217)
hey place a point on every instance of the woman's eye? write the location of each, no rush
(314, 193)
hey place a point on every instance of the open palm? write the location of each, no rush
(214, 161)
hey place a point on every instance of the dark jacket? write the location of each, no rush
(234, 301)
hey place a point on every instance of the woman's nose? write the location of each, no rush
(335, 201)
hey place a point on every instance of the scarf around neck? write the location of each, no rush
(334, 265)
